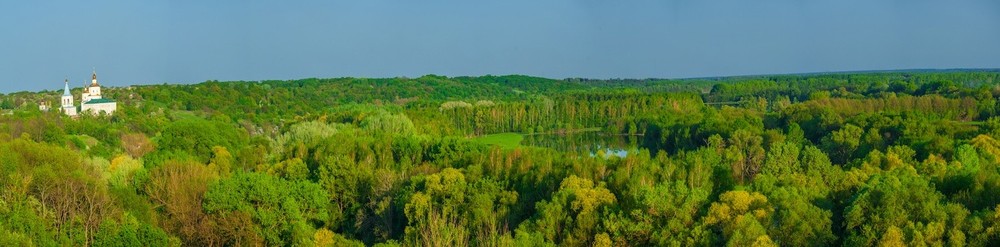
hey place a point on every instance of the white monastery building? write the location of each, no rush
(90, 102)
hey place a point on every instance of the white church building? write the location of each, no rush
(90, 102)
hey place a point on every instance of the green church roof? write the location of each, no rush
(99, 101)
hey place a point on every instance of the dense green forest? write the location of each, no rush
(898, 158)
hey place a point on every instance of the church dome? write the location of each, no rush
(93, 79)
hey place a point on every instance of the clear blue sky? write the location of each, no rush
(187, 41)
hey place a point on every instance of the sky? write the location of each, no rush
(128, 42)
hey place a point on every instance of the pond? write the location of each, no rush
(592, 143)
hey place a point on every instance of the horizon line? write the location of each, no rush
(716, 77)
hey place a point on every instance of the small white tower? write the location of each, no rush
(67, 101)
(95, 89)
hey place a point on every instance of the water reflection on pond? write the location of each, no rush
(590, 143)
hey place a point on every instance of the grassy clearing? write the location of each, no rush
(178, 115)
(504, 140)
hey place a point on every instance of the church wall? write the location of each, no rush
(71, 111)
(108, 108)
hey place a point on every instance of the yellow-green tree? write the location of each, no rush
(574, 215)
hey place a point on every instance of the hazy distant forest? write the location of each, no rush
(904, 158)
